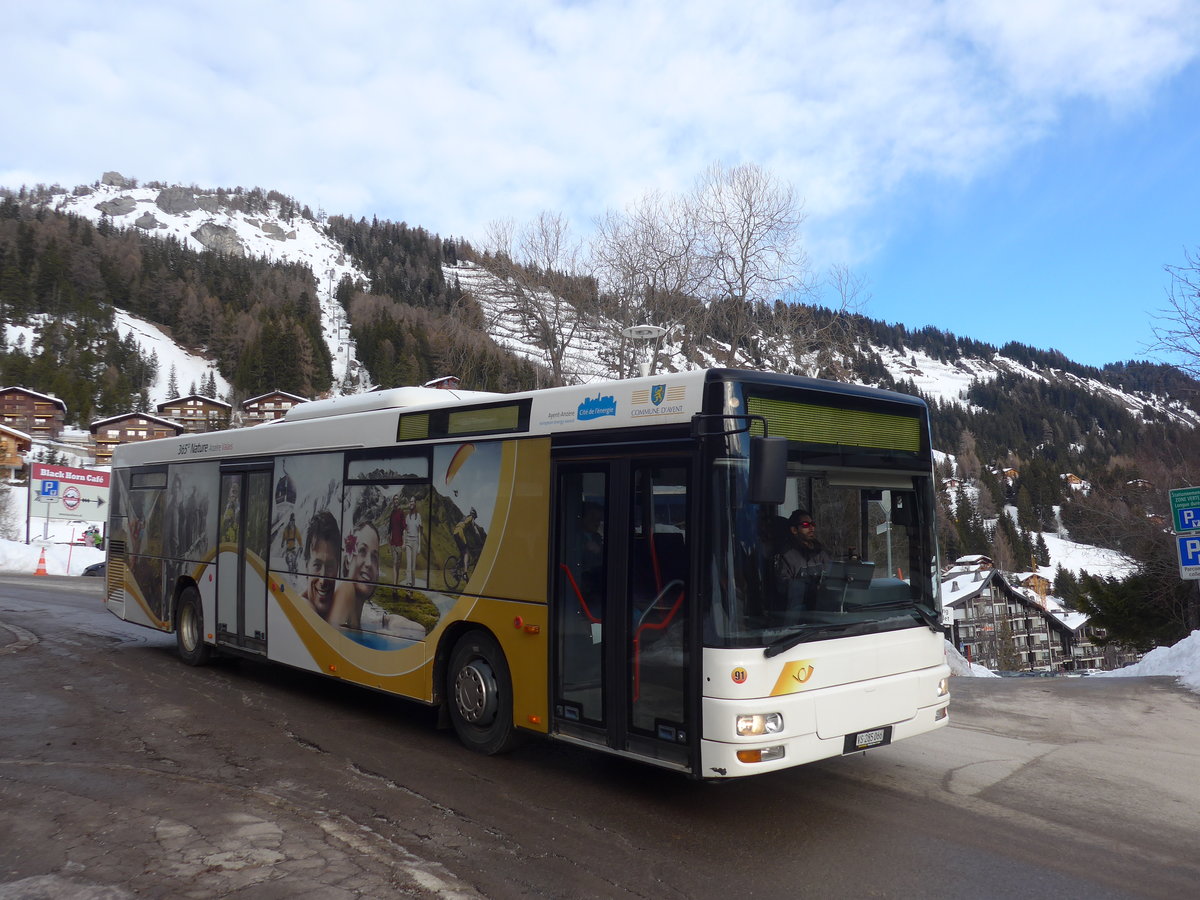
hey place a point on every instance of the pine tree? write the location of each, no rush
(1041, 551)
(172, 384)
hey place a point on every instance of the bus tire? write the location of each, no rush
(189, 629)
(479, 694)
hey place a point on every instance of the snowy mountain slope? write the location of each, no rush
(205, 220)
(190, 368)
(210, 220)
(592, 355)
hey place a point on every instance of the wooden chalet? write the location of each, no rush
(197, 413)
(268, 407)
(127, 428)
(40, 416)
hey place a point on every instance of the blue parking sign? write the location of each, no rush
(1188, 546)
(1185, 509)
(49, 488)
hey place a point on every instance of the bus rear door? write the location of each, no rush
(243, 558)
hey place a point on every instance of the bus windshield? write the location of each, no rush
(846, 553)
(850, 550)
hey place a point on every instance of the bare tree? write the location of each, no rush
(649, 260)
(1179, 331)
(751, 222)
(541, 284)
(821, 329)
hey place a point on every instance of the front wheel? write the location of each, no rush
(479, 694)
(189, 629)
(452, 573)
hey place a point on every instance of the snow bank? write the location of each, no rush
(1181, 661)
(959, 666)
(18, 558)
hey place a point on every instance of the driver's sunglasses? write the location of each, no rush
(808, 524)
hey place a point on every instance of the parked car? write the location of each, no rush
(96, 569)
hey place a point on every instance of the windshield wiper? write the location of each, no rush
(788, 641)
(913, 607)
(928, 618)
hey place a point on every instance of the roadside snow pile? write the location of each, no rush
(1182, 661)
(959, 666)
(19, 558)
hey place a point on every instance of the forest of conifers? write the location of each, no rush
(259, 322)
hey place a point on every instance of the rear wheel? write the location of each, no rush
(189, 629)
(479, 694)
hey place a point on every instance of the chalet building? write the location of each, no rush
(1009, 628)
(40, 416)
(976, 561)
(128, 428)
(13, 447)
(268, 407)
(1039, 584)
(197, 413)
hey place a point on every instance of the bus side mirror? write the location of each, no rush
(768, 469)
(903, 507)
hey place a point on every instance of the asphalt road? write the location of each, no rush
(124, 773)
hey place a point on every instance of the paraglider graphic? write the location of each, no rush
(461, 455)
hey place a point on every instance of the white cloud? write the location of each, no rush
(452, 115)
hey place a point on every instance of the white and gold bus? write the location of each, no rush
(600, 564)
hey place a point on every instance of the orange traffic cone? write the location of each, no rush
(41, 569)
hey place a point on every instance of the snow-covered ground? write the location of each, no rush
(1181, 661)
(59, 539)
(960, 665)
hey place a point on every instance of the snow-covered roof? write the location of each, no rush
(25, 390)
(213, 400)
(275, 393)
(19, 435)
(960, 586)
(99, 423)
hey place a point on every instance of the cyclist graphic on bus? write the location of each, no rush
(458, 566)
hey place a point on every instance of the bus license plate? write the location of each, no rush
(865, 740)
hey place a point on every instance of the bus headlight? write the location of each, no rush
(943, 687)
(767, 723)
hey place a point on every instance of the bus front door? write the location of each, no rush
(621, 605)
(242, 560)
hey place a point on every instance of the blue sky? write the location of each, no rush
(1001, 169)
(1064, 245)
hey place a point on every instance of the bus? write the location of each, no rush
(597, 564)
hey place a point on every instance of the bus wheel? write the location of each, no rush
(480, 694)
(189, 629)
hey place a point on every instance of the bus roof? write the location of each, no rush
(370, 420)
